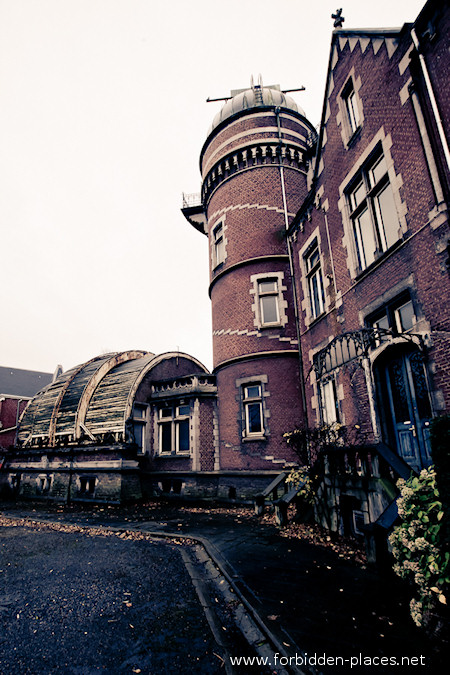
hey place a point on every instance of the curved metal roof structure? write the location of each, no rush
(89, 401)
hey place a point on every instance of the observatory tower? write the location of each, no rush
(253, 166)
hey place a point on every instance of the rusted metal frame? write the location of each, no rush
(358, 344)
(93, 384)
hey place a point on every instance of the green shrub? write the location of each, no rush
(417, 543)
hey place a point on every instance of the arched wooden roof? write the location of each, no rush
(92, 401)
(94, 393)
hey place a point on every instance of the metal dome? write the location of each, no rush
(256, 96)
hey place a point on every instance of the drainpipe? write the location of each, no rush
(331, 253)
(18, 417)
(371, 395)
(432, 98)
(291, 268)
(427, 146)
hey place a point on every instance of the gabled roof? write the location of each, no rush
(22, 383)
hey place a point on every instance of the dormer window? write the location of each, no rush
(351, 107)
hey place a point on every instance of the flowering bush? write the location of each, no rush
(301, 478)
(416, 543)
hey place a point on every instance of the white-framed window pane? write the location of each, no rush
(317, 294)
(387, 216)
(165, 413)
(139, 436)
(253, 391)
(183, 410)
(254, 417)
(404, 317)
(352, 110)
(382, 322)
(165, 437)
(269, 309)
(357, 195)
(365, 239)
(219, 245)
(329, 403)
(268, 287)
(377, 171)
(183, 436)
(313, 259)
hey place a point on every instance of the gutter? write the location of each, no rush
(432, 98)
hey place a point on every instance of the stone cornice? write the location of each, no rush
(261, 154)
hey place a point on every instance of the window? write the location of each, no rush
(253, 410)
(174, 429)
(87, 486)
(268, 301)
(351, 107)
(219, 245)
(397, 316)
(328, 402)
(373, 213)
(315, 281)
(139, 425)
(269, 306)
(43, 483)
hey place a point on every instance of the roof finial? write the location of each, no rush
(338, 18)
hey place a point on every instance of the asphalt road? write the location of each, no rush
(79, 604)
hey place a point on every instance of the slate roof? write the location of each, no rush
(18, 382)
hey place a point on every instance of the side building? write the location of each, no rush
(17, 388)
(114, 429)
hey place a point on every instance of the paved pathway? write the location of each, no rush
(310, 600)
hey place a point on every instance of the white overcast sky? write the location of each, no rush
(103, 115)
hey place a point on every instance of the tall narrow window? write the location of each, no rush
(268, 301)
(315, 281)
(351, 107)
(373, 213)
(328, 401)
(139, 425)
(219, 245)
(253, 410)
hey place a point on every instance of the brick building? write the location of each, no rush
(329, 284)
(371, 256)
(114, 428)
(17, 387)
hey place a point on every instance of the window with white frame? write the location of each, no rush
(373, 213)
(174, 429)
(315, 280)
(351, 107)
(253, 409)
(218, 244)
(268, 296)
(328, 401)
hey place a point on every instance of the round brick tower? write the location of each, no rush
(254, 180)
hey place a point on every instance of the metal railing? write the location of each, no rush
(191, 199)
